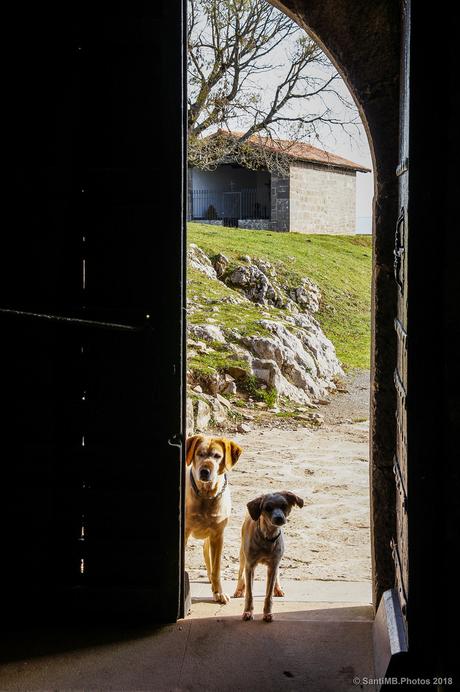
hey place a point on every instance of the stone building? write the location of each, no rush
(317, 195)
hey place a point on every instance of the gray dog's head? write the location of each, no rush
(274, 507)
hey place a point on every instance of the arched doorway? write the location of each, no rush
(364, 40)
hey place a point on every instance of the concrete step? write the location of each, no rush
(311, 590)
(303, 600)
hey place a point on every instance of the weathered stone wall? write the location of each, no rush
(256, 224)
(280, 203)
(211, 222)
(363, 40)
(322, 199)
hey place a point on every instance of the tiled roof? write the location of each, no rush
(301, 151)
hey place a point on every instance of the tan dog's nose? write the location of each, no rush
(205, 474)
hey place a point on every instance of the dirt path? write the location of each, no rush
(329, 538)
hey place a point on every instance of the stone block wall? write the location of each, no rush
(322, 199)
(212, 222)
(280, 203)
(256, 224)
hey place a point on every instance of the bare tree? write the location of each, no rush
(231, 44)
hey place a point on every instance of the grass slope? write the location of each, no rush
(340, 265)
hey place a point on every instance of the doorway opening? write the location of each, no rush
(279, 351)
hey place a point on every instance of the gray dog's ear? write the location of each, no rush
(292, 498)
(255, 507)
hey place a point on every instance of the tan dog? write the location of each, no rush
(207, 499)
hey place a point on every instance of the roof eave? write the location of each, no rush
(331, 164)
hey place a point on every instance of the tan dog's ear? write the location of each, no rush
(232, 452)
(190, 446)
(255, 507)
(292, 498)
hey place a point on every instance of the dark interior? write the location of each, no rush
(92, 308)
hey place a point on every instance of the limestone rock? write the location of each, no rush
(203, 415)
(198, 346)
(220, 264)
(190, 418)
(234, 300)
(219, 411)
(307, 295)
(230, 388)
(265, 266)
(268, 371)
(225, 402)
(200, 261)
(214, 383)
(207, 332)
(256, 286)
(298, 365)
(237, 372)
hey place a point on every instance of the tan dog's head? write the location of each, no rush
(210, 457)
(274, 507)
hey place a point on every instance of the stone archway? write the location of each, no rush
(362, 39)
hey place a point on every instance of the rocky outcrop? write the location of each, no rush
(257, 286)
(199, 260)
(306, 363)
(289, 353)
(258, 282)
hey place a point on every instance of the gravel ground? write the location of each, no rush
(351, 402)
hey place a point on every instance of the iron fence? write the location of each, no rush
(216, 205)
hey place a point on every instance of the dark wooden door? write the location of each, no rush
(400, 542)
(91, 300)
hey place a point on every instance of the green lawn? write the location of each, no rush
(340, 265)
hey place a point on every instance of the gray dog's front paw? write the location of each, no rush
(247, 615)
(268, 617)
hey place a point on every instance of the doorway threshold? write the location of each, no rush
(310, 599)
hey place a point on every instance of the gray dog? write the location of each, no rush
(262, 541)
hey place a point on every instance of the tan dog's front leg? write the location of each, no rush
(248, 601)
(217, 543)
(272, 575)
(207, 557)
